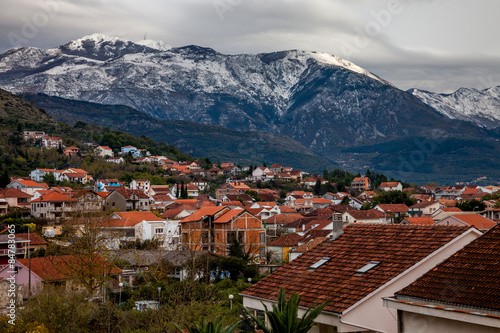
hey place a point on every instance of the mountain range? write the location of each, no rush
(329, 105)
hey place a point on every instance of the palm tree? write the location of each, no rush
(284, 316)
(209, 327)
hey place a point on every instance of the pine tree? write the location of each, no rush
(5, 178)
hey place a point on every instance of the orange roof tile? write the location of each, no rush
(204, 211)
(396, 247)
(56, 268)
(468, 278)
(229, 215)
(53, 196)
(476, 220)
(130, 219)
(29, 183)
(286, 240)
(420, 220)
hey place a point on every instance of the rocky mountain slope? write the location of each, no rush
(320, 100)
(215, 142)
(481, 107)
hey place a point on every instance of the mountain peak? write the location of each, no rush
(155, 44)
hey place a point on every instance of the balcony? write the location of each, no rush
(17, 251)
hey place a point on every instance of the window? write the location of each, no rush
(319, 263)
(159, 231)
(367, 267)
(262, 237)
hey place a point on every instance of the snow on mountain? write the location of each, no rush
(481, 107)
(155, 44)
(295, 93)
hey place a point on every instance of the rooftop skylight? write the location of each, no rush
(367, 267)
(319, 263)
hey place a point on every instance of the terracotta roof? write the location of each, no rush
(283, 218)
(232, 203)
(13, 193)
(34, 239)
(312, 234)
(397, 247)
(369, 214)
(394, 208)
(476, 220)
(468, 278)
(204, 211)
(286, 240)
(287, 210)
(56, 268)
(254, 211)
(128, 193)
(389, 184)
(448, 202)
(310, 244)
(130, 219)
(53, 196)
(29, 183)
(227, 216)
(171, 213)
(423, 204)
(187, 201)
(420, 220)
(451, 209)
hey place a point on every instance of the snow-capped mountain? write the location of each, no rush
(481, 107)
(321, 100)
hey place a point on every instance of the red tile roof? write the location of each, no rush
(420, 220)
(394, 208)
(287, 240)
(283, 218)
(229, 215)
(468, 278)
(204, 211)
(13, 193)
(389, 184)
(476, 220)
(424, 204)
(59, 268)
(397, 247)
(130, 219)
(29, 183)
(451, 209)
(34, 239)
(128, 193)
(370, 214)
(53, 196)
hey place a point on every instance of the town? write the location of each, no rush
(368, 243)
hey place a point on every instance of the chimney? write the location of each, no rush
(338, 229)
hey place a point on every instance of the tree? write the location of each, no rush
(284, 315)
(471, 205)
(5, 178)
(50, 179)
(205, 326)
(393, 197)
(345, 200)
(317, 187)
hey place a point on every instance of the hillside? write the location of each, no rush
(214, 142)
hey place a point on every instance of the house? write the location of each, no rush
(53, 206)
(125, 199)
(127, 149)
(236, 188)
(4, 206)
(214, 172)
(215, 228)
(391, 186)
(280, 248)
(51, 142)
(365, 216)
(26, 186)
(87, 201)
(103, 151)
(132, 227)
(460, 295)
(444, 212)
(356, 270)
(424, 208)
(37, 175)
(396, 210)
(279, 221)
(277, 168)
(76, 175)
(361, 184)
(60, 270)
(103, 185)
(426, 220)
(35, 241)
(141, 184)
(16, 198)
(116, 160)
(11, 245)
(303, 248)
(71, 151)
(476, 220)
(33, 135)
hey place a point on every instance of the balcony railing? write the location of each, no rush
(17, 251)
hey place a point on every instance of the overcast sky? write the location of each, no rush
(437, 45)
